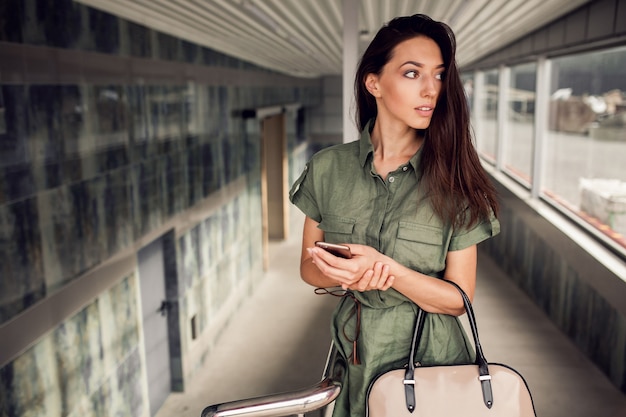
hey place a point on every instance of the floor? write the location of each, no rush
(279, 342)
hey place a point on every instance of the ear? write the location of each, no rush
(371, 83)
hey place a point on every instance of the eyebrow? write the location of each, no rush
(420, 65)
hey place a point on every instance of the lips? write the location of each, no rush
(424, 111)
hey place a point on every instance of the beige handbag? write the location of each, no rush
(475, 390)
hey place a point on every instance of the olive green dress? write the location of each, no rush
(340, 190)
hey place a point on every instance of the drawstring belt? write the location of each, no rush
(356, 310)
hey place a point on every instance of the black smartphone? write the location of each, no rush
(338, 250)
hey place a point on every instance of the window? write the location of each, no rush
(585, 144)
(520, 123)
(485, 114)
(468, 86)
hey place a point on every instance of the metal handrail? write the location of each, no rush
(288, 403)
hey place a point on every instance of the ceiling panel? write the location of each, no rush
(304, 37)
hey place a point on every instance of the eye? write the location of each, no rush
(440, 76)
(411, 74)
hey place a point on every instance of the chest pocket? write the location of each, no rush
(337, 229)
(420, 247)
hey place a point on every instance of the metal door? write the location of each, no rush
(154, 310)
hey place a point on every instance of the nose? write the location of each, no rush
(429, 87)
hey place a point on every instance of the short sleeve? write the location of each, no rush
(302, 194)
(481, 231)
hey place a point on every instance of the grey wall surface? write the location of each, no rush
(600, 23)
(112, 135)
(583, 298)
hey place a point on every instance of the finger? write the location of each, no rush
(364, 283)
(322, 259)
(330, 266)
(384, 274)
(377, 275)
(388, 283)
(326, 256)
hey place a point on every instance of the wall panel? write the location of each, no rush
(112, 135)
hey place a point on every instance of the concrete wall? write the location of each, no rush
(113, 135)
(565, 272)
(326, 119)
(600, 23)
(579, 292)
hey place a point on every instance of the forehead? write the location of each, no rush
(420, 49)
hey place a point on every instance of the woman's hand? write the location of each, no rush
(367, 270)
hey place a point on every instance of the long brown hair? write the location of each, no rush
(450, 165)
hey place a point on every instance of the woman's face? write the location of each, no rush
(407, 88)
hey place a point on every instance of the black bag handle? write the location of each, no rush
(409, 379)
(481, 362)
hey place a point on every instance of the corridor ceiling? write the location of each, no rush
(304, 37)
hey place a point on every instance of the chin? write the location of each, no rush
(420, 126)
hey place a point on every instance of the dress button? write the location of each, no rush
(405, 168)
(391, 179)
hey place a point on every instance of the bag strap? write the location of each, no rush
(481, 362)
(409, 379)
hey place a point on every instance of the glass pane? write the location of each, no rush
(520, 122)
(468, 86)
(485, 114)
(586, 142)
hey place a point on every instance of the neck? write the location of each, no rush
(395, 142)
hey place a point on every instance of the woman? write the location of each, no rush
(410, 199)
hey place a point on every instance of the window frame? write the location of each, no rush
(532, 192)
